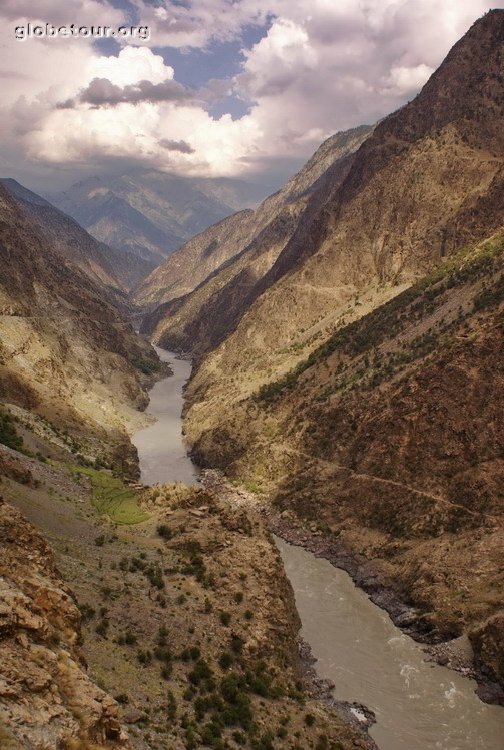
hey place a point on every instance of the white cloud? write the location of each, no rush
(198, 22)
(85, 12)
(133, 64)
(403, 79)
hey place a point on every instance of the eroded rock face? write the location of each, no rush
(488, 644)
(46, 697)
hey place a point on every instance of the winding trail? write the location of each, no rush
(393, 483)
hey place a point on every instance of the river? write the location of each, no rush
(161, 451)
(418, 705)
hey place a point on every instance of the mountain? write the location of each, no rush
(103, 264)
(235, 193)
(427, 181)
(65, 352)
(108, 589)
(151, 213)
(358, 378)
(389, 436)
(253, 239)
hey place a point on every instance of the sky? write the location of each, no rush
(220, 88)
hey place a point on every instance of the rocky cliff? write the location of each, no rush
(46, 696)
(187, 617)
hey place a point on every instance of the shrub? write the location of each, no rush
(225, 660)
(87, 612)
(144, 657)
(166, 671)
(8, 434)
(102, 628)
(130, 638)
(200, 672)
(237, 644)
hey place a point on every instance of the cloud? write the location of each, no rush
(182, 146)
(132, 64)
(321, 66)
(86, 12)
(102, 92)
(199, 22)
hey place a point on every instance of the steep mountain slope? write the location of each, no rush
(237, 194)
(65, 351)
(191, 264)
(187, 619)
(429, 179)
(254, 240)
(147, 212)
(389, 437)
(103, 264)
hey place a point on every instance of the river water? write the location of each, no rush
(418, 705)
(161, 451)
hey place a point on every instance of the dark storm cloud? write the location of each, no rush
(103, 93)
(181, 146)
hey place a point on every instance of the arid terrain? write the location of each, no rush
(176, 631)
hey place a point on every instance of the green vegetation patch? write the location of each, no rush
(147, 366)
(8, 434)
(111, 497)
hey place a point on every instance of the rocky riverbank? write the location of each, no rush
(457, 654)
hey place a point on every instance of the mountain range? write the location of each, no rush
(151, 213)
(119, 270)
(66, 350)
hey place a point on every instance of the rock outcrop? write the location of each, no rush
(46, 697)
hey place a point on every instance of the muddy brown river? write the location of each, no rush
(418, 705)
(161, 450)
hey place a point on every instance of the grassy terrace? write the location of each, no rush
(111, 497)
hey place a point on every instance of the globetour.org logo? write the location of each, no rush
(32, 30)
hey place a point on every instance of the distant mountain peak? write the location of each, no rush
(150, 212)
